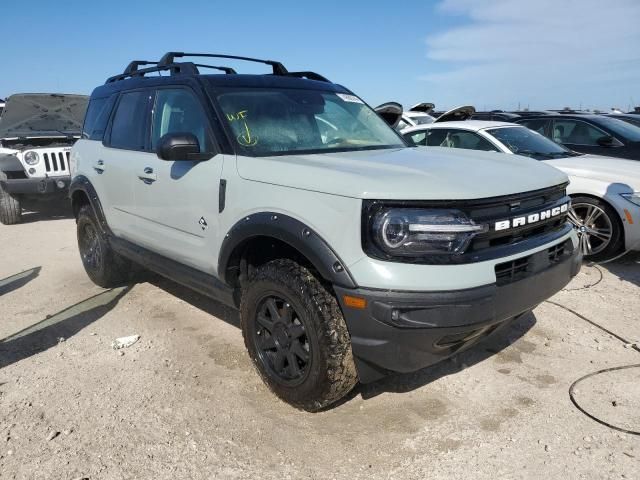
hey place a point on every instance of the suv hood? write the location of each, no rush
(42, 114)
(422, 173)
(597, 167)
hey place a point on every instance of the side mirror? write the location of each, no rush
(178, 146)
(606, 141)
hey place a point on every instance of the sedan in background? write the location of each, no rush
(605, 191)
(597, 134)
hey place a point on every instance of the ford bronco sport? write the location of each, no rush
(36, 135)
(349, 254)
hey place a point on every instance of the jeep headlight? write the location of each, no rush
(632, 197)
(31, 158)
(416, 232)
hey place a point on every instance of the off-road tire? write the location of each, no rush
(10, 209)
(617, 236)
(103, 265)
(331, 372)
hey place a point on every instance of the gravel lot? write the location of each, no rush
(185, 402)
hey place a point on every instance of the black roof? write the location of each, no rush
(186, 72)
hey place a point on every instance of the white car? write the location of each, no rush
(605, 190)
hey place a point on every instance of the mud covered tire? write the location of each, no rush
(104, 267)
(10, 208)
(330, 372)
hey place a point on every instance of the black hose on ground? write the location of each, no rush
(612, 369)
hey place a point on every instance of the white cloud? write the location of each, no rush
(546, 53)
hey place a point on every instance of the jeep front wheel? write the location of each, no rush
(296, 336)
(10, 208)
(105, 267)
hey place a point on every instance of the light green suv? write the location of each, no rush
(350, 254)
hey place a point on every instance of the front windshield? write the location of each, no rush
(284, 121)
(624, 129)
(523, 141)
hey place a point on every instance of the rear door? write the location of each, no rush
(125, 144)
(177, 201)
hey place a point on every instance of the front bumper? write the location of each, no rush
(36, 186)
(405, 331)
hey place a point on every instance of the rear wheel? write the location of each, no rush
(104, 266)
(598, 226)
(296, 336)
(10, 208)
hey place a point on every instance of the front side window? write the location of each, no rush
(629, 130)
(523, 141)
(452, 138)
(284, 121)
(179, 111)
(576, 132)
(128, 129)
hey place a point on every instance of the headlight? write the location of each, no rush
(415, 232)
(632, 197)
(32, 158)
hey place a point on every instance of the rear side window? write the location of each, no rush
(129, 126)
(536, 125)
(96, 118)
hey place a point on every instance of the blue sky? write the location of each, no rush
(496, 54)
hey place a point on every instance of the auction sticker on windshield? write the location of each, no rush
(349, 98)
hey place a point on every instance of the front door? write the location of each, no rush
(177, 201)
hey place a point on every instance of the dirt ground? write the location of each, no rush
(184, 402)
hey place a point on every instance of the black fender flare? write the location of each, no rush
(10, 163)
(83, 184)
(292, 232)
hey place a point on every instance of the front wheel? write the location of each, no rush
(598, 226)
(296, 336)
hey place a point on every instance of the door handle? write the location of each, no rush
(147, 175)
(99, 166)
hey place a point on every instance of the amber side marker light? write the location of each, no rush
(354, 302)
(629, 217)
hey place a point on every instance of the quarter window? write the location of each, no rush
(128, 130)
(576, 132)
(95, 121)
(179, 111)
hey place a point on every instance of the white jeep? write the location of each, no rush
(36, 135)
(349, 253)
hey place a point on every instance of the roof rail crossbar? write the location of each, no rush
(174, 68)
(309, 76)
(133, 66)
(169, 58)
(227, 70)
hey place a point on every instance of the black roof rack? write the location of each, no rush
(169, 58)
(168, 63)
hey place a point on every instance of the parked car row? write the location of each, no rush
(605, 190)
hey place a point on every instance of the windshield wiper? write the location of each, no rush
(531, 153)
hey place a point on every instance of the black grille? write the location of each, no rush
(509, 272)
